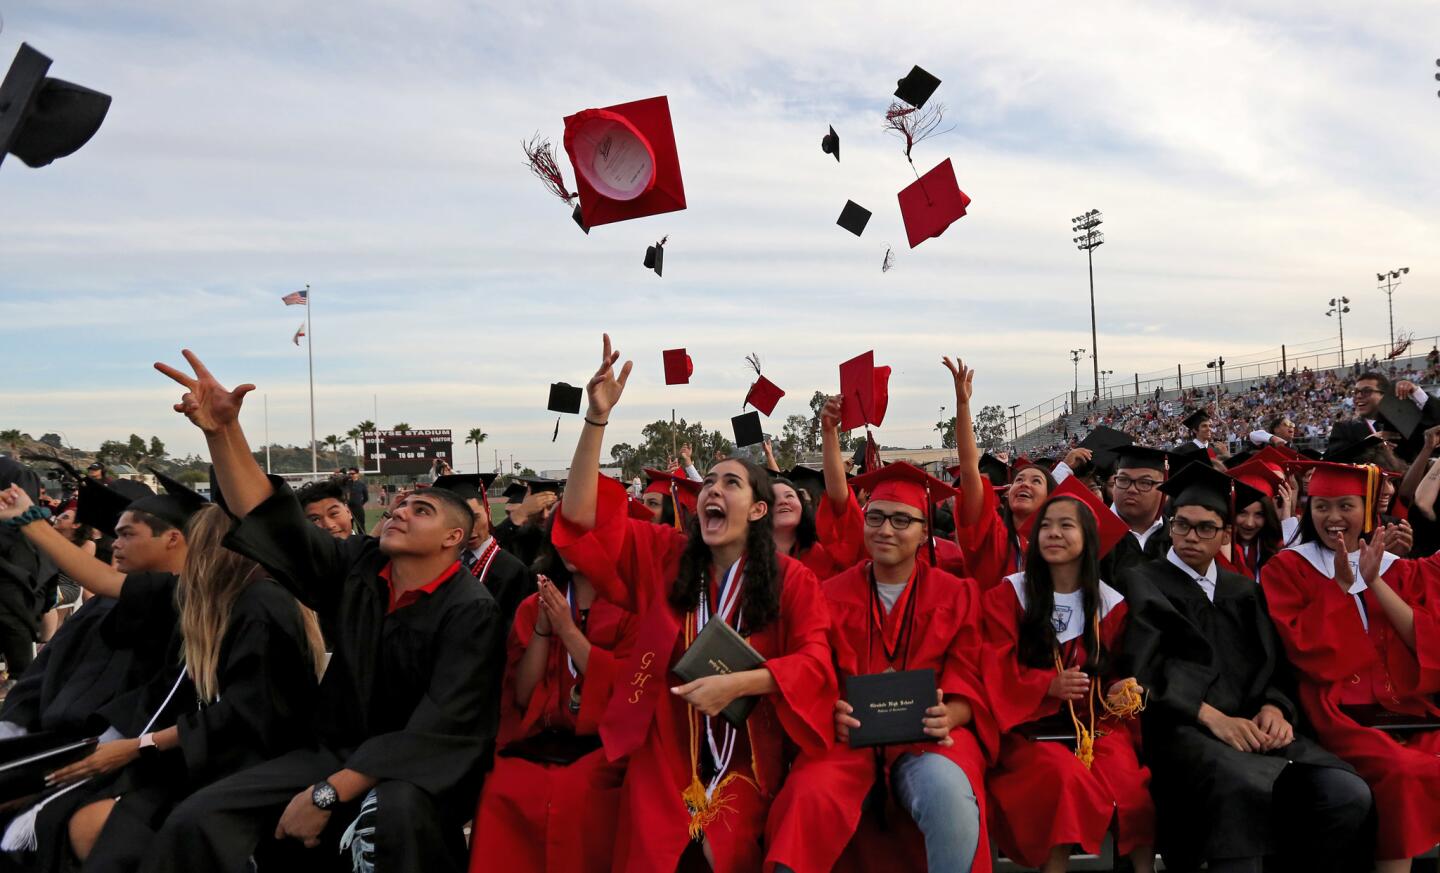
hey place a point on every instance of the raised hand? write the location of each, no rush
(1285, 499)
(1078, 456)
(830, 413)
(605, 388)
(964, 380)
(1404, 388)
(13, 502)
(209, 405)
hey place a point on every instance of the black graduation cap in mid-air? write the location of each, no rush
(42, 119)
(916, 87)
(655, 258)
(854, 217)
(747, 429)
(830, 143)
(565, 398)
(580, 219)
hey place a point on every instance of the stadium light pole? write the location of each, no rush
(1075, 356)
(1105, 378)
(1220, 364)
(1338, 307)
(1391, 281)
(1014, 427)
(1087, 239)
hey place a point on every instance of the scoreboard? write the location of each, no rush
(409, 453)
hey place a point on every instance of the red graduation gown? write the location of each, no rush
(819, 810)
(550, 817)
(633, 563)
(989, 554)
(841, 542)
(1043, 796)
(1339, 662)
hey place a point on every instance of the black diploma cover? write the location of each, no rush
(719, 650)
(890, 707)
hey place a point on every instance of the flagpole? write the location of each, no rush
(310, 353)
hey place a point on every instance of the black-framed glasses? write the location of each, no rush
(1144, 486)
(898, 520)
(1204, 530)
(1363, 392)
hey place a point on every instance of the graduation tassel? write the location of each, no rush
(540, 158)
(1128, 700)
(556, 435)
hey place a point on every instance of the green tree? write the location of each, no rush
(52, 440)
(333, 441)
(947, 433)
(847, 441)
(157, 449)
(11, 439)
(990, 428)
(797, 438)
(660, 440)
(402, 427)
(476, 436)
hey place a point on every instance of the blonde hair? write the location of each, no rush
(210, 582)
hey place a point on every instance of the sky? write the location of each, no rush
(1251, 161)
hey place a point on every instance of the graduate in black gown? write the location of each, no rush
(238, 680)
(1232, 780)
(405, 713)
(508, 579)
(25, 574)
(522, 532)
(1139, 471)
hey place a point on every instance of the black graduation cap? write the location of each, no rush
(175, 506)
(565, 398)
(747, 429)
(514, 492)
(42, 119)
(1142, 458)
(1403, 415)
(1310, 454)
(994, 469)
(854, 217)
(830, 143)
(1203, 485)
(1103, 443)
(101, 506)
(580, 219)
(1351, 451)
(1188, 453)
(655, 258)
(539, 484)
(1238, 458)
(916, 87)
(808, 478)
(1194, 419)
(466, 486)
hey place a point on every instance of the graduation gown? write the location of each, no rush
(1129, 553)
(1213, 800)
(1341, 663)
(1043, 796)
(408, 695)
(267, 683)
(633, 564)
(831, 787)
(508, 579)
(522, 541)
(989, 553)
(841, 538)
(538, 816)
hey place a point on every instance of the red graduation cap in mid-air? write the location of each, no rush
(626, 164)
(678, 367)
(864, 392)
(932, 203)
(763, 395)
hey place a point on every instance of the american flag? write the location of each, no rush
(296, 298)
(299, 331)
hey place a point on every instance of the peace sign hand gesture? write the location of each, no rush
(209, 405)
(605, 388)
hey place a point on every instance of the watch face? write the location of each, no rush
(324, 795)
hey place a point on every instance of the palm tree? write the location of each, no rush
(477, 436)
(364, 428)
(12, 439)
(333, 442)
(353, 435)
(402, 427)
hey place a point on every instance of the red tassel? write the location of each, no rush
(915, 125)
(540, 157)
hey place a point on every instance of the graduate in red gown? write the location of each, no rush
(1052, 639)
(993, 532)
(695, 784)
(552, 801)
(1260, 525)
(1362, 629)
(895, 612)
(829, 536)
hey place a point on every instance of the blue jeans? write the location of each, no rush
(938, 796)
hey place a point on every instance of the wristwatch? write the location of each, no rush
(147, 744)
(324, 795)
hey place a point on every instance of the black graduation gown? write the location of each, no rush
(1212, 800)
(408, 696)
(509, 581)
(76, 674)
(524, 541)
(267, 682)
(1128, 554)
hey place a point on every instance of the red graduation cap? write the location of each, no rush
(864, 392)
(932, 203)
(1111, 527)
(678, 367)
(1260, 475)
(763, 395)
(904, 483)
(675, 484)
(626, 164)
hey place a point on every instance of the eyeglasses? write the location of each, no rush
(1144, 486)
(898, 521)
(1365, 392)
(1204, 530)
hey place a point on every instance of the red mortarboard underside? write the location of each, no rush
(932, 203)
(678, 367)
(625, 160)
(864, 392)
(763, 395)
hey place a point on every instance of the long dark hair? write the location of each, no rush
(760, 598)
(547, 561)
(1012, 533)
(1037, 636)
(1269, 539)
(806, 533)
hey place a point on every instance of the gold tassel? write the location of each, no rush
(1128, 700)
(704, 810)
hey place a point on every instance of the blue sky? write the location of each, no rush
(1252, 160)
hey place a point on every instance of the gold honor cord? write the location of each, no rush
(1129, 700)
